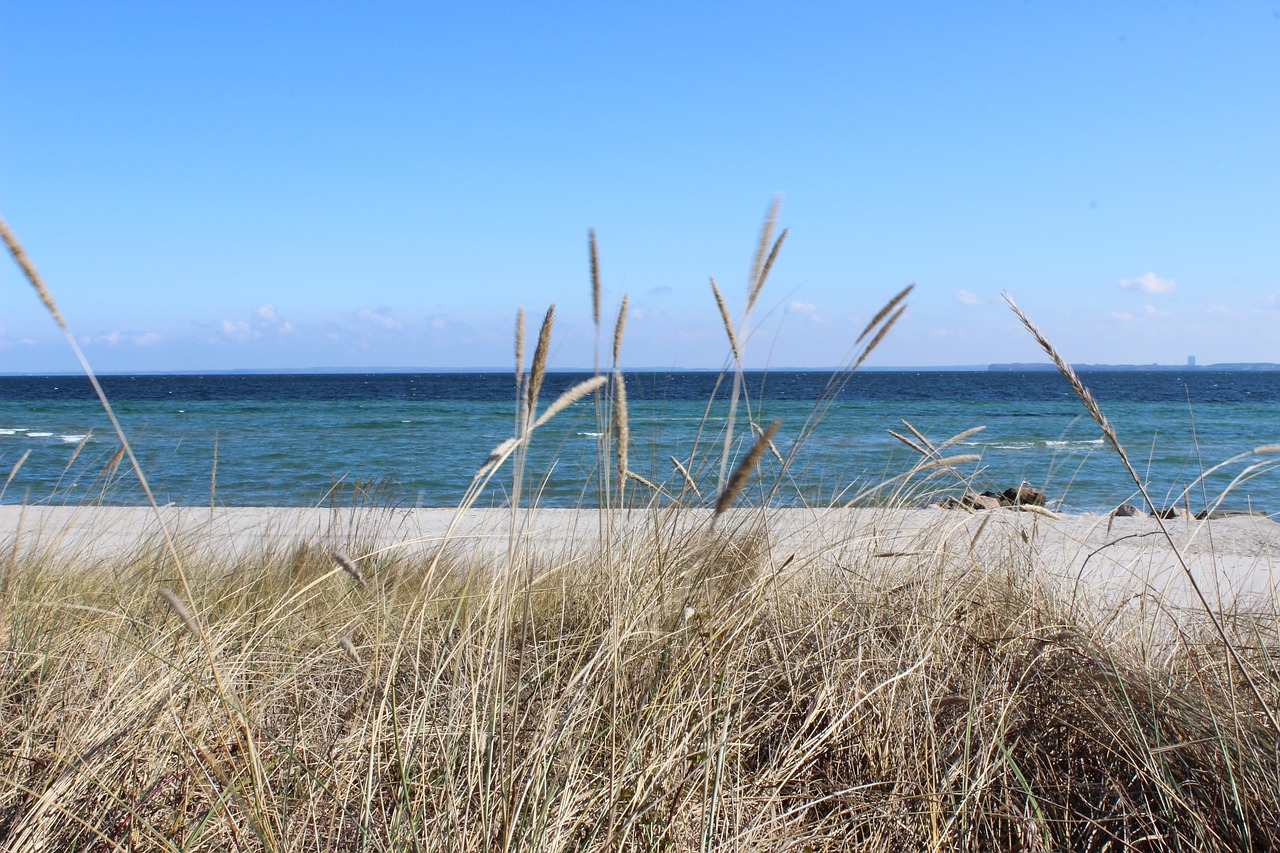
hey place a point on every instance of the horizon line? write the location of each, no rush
(383, 369)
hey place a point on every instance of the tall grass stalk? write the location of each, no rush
(1109, 432)
(260, 813)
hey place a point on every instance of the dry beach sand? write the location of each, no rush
(1234, 559)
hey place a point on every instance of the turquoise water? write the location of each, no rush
(417, 439)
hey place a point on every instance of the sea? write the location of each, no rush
(418, 439)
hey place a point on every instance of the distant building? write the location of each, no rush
(1191, 361)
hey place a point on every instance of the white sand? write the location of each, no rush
(1232, 558)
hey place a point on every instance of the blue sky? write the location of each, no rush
(274, 185)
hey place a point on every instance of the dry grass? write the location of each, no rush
(727, 322)
(677, 686)
(539, 367)
(685, 693)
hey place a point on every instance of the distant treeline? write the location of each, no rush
(1242, 366)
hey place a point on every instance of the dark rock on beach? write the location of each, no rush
(1229, 513)
(986, 500)
(1023, 495)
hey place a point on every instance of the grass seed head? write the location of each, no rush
(727, 321)
(539, 368)
(622, 428)
(743, 470)
(348, 565)
(595, 277)
(618, 329)
(349, 649)
(176, 605)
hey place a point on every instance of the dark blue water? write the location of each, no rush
(417, 439)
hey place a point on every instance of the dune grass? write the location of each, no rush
(677, 682)
(674, 691)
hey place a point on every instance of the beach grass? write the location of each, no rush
(676, 690)
(676, 682)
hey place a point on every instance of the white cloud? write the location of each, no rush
(1153, 311)
(238, 330)
(1218, 310)
(115, 338)
(808, 310)
(965, 297)
(271, 320)
(1122, 316)
(263, 320)
(1149, 283)
(380, 317)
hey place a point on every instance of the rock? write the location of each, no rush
(986, 500)
(1229, 513)
(1024, 495)
(1127, 511)
(1172, 512)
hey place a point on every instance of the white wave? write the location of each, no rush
(39, 434)
(74, 439)
(1033, 444)
(591, 434)
(13, 431)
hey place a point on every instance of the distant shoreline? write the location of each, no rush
(1226, 367)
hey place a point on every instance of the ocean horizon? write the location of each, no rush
(934, 368)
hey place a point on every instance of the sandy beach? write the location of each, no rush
(1234, 559)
